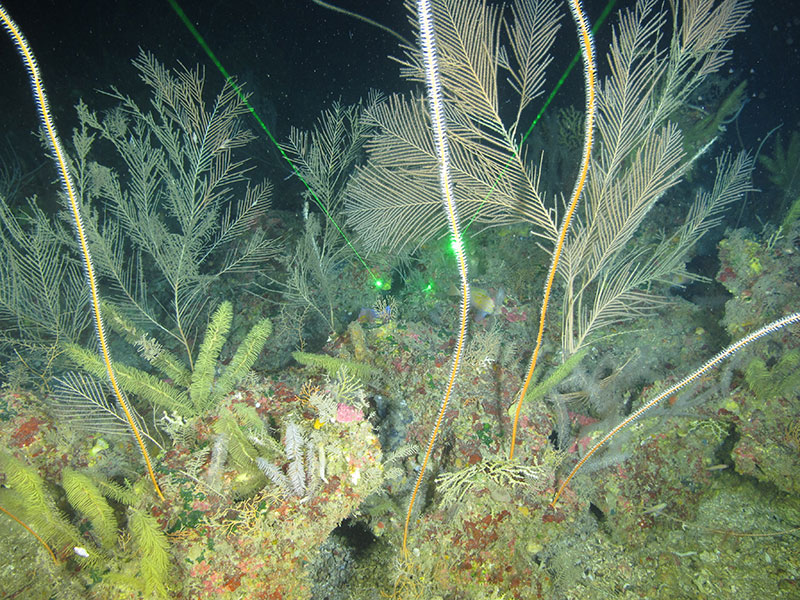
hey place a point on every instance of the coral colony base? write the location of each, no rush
(280, 422)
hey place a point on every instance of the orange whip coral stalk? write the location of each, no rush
(589, 71)
(60, 156)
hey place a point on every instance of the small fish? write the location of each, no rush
(717, 467)
(371, 315)
(483, 303)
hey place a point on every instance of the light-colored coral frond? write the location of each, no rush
(394, 200)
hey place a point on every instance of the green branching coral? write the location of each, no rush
(134, 381)
(203, 373)
(246, 354)
(86, 498)
(39, 510)
(332, 364)
(29, 497)
(698, 134)
(781, 379)
(556, 377)
(793, 214)
(116, 492)
(153, 549)
(240, 452)
(164, 360)
(784, 172)
(192, 392)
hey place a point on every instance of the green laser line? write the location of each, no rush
(201, 41)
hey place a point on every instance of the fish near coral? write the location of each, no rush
(484, 304)
(374, 315)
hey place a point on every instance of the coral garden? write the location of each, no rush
(708, 483)
(286, 389)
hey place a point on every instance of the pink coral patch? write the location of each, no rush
(348, 414)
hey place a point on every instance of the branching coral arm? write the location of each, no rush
(58, 153)
(710, 364)
(589, 70)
